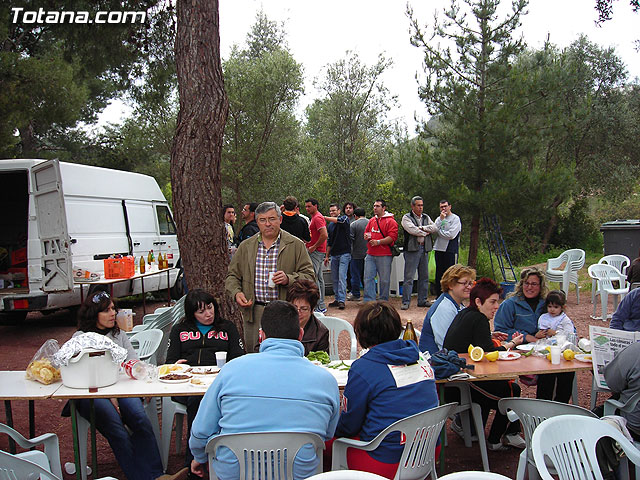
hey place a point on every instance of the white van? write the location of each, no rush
(59, 216)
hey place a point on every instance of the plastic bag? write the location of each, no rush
(41, 367)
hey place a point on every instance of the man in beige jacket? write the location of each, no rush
(263, 267)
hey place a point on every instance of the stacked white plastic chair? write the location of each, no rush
(621, 262)
(605, 275)
(573, 261)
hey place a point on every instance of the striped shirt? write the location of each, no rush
(266, 262)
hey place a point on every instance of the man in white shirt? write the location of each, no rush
(447, 242)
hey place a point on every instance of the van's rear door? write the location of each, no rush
(46, 184)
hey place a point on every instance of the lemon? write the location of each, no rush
(476, 354)
(549, 356)
(164, 369)
(569, 355)
(469, 349)
(492, 356)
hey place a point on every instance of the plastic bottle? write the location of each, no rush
(150, 258)
(136, 369)
(142, 266)
(160, 261)
(409, 332)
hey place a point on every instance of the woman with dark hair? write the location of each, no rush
(373, 398)
(137, 452)
(472, 327)
(196, 339)
(304, 295)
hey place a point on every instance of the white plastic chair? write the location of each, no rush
(336, 326)
(604, 276)
(573, 261)
(569, 442)
(33, 463)
(532, 412)
(258, 453)
(148, 342)
(171, 410)
(347, 475)
(621, 262)
(474, 476)
(469, 410)
(421, 431)
(49, 460)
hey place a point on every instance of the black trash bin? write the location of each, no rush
(621, 237)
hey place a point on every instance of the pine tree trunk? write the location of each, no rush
(196, 152)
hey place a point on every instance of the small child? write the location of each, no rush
(555, 320)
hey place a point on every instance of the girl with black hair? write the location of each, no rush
(196, 339)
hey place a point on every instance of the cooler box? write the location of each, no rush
(91, 368)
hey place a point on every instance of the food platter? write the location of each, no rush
(175, 378)
(508, 355)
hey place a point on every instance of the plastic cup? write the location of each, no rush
(555, 355)
(271, 283)
(221, 358)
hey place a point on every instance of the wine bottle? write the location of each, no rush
(409, 332)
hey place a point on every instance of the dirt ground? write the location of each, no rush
(18, 343)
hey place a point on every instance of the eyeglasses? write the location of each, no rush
(303, 309)
(264, 221)
(99, 296)
(531, 284)
(467, 283)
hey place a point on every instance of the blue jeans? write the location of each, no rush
(413, 260)
(317, 259)
(357, 270)
(137, 453)
(339, 267)
(382, 266)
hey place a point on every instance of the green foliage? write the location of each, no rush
(347, 127)
(577, 229)
(262, 153)
(56, 75)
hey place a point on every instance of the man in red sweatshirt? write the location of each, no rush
(381, 232)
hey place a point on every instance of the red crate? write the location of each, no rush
(18, 256)
(124, 267)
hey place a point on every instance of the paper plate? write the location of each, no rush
(583, 357)
(530, 346)
(168, 368)
(508, 355)
(204, 371)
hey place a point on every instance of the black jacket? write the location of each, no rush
(296, 225)
(186, 341)
(248, 231)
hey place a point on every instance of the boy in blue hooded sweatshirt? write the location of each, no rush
(385, 385)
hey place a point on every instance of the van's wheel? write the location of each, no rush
(177, 291)
(13, 318)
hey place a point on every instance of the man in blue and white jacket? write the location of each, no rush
(276, 390)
